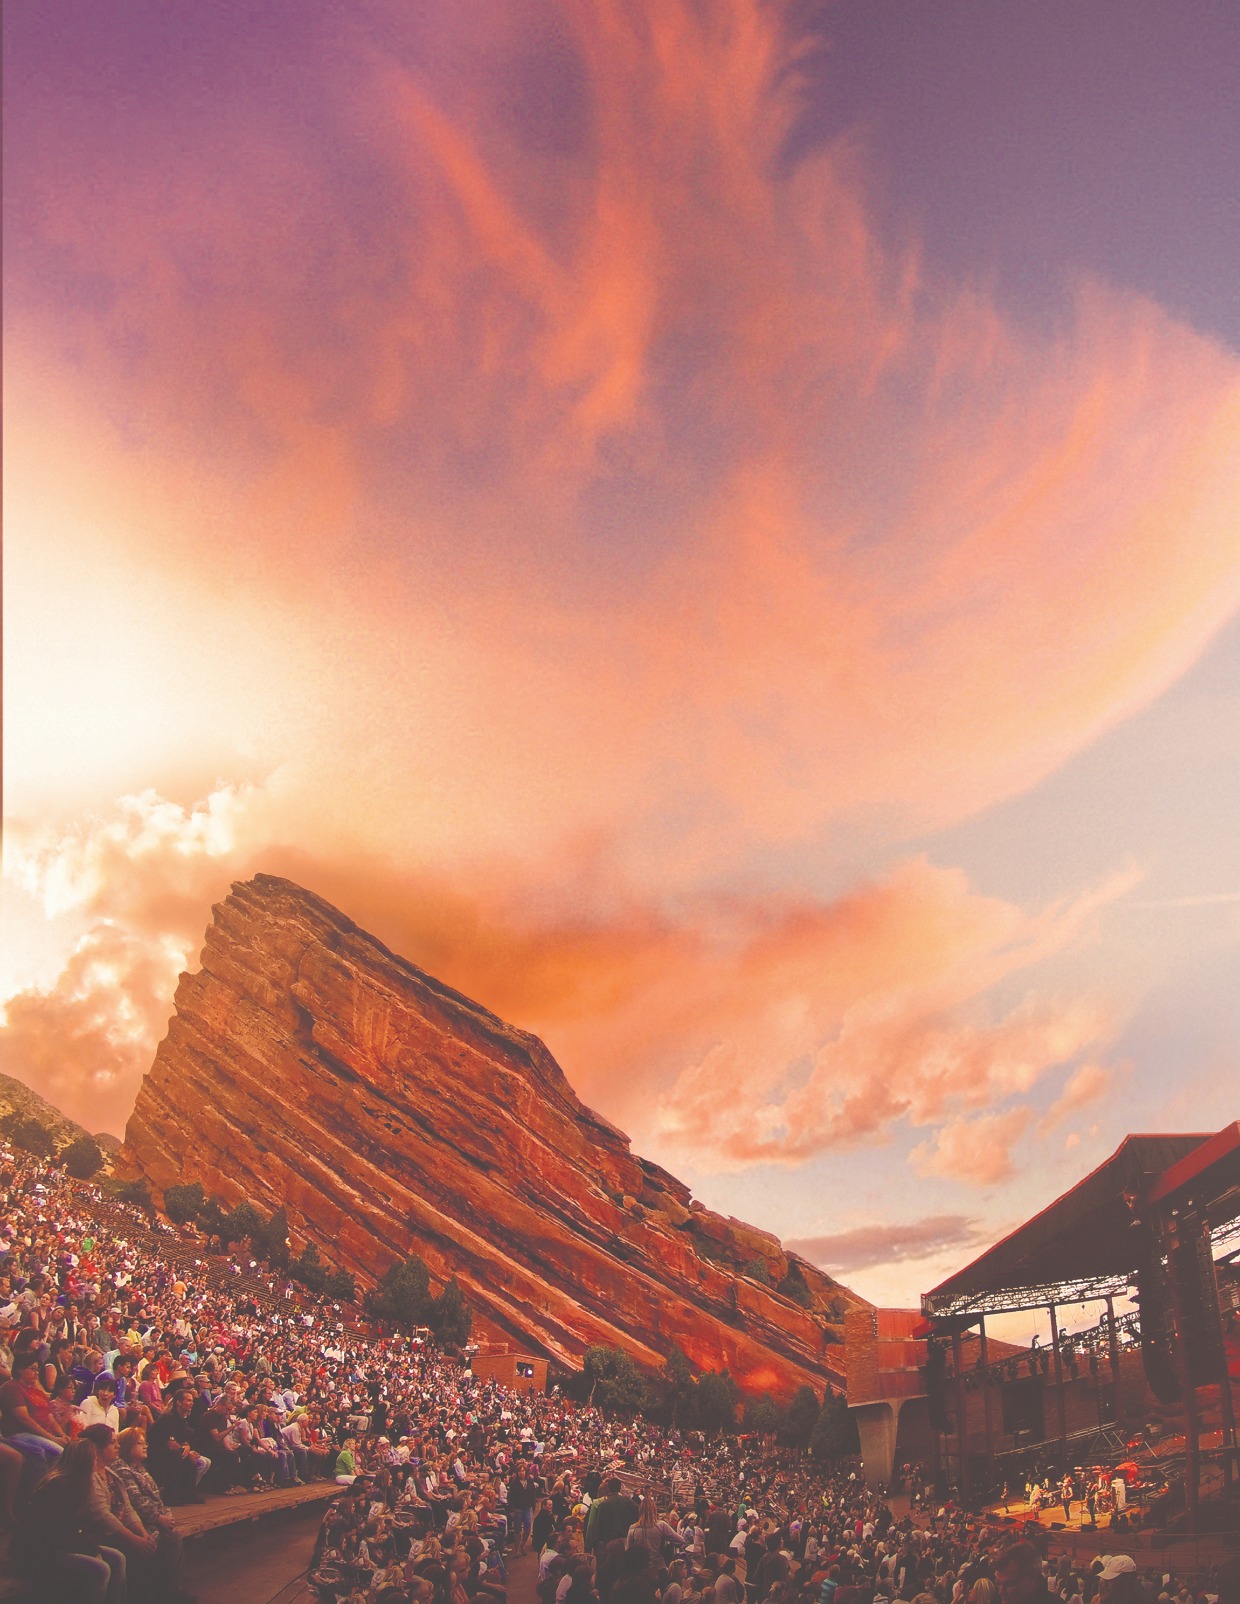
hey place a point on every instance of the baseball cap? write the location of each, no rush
(1116, 1565)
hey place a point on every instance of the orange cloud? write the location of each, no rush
(882, 1008)
(976, 1151)
(740, 1029)
(86, 1042)
(571, 539)
(1084, 1086)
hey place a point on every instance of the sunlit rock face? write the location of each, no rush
(306, 1065)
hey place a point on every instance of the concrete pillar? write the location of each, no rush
(877, 1425)
(990, 1429)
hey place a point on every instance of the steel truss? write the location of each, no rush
(1011, 1300)
(1096, 1443)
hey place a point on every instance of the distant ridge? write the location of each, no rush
(16, 1096)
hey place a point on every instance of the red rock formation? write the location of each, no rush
(307, 1065)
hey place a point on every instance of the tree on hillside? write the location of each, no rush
(835, 1433)
(403, 1296)
(30, 1134)
(242, 1224)
(679, 1386)
(449, 1317)
(136, 1193)
(763, 1415)
(309, 1269)
(801, 1417)
(716, 1402)
(183, 1204)
(83, 1158)
(272, 1241)
(613, 1380)
(340, 1285)
(212, 1219)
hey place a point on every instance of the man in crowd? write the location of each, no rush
(610, 1516)
(176, 1464)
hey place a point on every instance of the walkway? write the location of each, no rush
(265, 1562)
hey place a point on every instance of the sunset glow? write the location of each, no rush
(538, 476)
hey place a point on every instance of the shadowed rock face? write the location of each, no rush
(307, 1065)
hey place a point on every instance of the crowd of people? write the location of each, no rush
(131, 1386)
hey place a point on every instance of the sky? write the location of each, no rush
(713, 528)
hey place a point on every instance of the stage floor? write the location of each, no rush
(1052, 1516)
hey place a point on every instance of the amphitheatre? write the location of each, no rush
(360, 1203)
(620, 897)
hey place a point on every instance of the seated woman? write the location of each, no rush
(26, 1420)
(430, 1567)
(65, 1411)
(59, 1363)
(318, 1445)
(98, 1408)
(51, 1546)
(346, 1463)
(256, 1460)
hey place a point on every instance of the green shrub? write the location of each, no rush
(449, 1317)
(83, 1158)
(403, 1296)
(613, 1380)
(184, 1204)
(32, 1135)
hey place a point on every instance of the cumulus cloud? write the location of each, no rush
(833, 1022)
(132, 889)
(147, 849)
(1084, 1086)
(865, 1246)
(883, 1007)
(977, 1151)
(85, 1043)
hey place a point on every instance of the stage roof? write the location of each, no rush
(1082, 1245)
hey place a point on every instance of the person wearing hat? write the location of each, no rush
(1118, 1582)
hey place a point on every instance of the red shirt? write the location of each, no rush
(30, 1395)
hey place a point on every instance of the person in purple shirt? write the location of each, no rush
(121, 1370)
(84, 1373)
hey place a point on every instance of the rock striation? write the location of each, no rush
(306, 1065)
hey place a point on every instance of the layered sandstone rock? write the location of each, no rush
(308, 1066)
